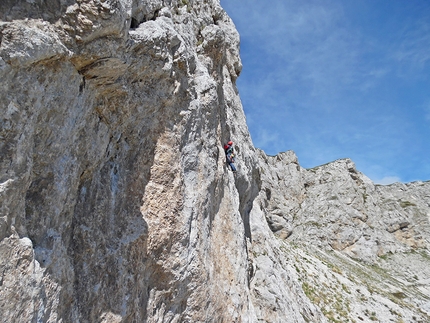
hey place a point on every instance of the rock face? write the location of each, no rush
(117, 205)
(360, 250)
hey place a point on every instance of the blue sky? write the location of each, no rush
(331, 79)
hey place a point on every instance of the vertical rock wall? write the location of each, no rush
(359, 250)
(116, 203)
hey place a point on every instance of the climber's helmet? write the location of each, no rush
(230, 143)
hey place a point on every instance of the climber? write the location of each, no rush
(229, 154)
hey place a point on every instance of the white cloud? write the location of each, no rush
(411, 52)
(266, 138)
(314, 56)
(415, 45)
(387, 180)
(427, 111)
(322, 80)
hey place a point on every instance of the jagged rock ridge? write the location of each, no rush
(360, 250)
(116, 203)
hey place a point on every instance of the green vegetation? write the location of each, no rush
(385, 256)
(186, 3)
(365, 196)
(330, 288)
(333, 305)
(372, 316)
(405, 204)
(399, 295)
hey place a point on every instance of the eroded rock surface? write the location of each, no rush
(359, 249)
(116, 203)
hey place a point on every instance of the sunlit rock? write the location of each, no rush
(116, 204)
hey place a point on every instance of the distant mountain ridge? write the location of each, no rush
(116, 204)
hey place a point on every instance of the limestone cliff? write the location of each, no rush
(117, 205)
(360, 250)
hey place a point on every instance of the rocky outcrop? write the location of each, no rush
(360, 250)
(116, 203)
(335, 206)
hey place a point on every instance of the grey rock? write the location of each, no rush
(116, 204)
(351, 235)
